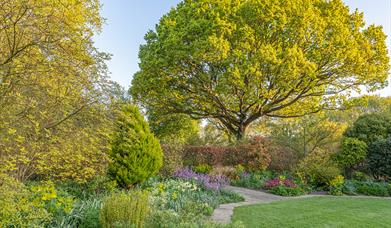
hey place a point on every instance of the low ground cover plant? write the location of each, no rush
(370, 188)
(284, 186)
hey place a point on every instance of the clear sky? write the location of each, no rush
(127, 21)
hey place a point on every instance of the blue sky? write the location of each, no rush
(127, 21)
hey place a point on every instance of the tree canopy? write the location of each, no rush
(55, 97)
(236, 61)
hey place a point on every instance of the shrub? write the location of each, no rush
(211, 155)
(129, 209)
(282, 158)
(172, 161)
(253, 155)
(370, 128)
(135, 152)
(16, 206)
(317, 168)
(352, 152)
(203, 168)
(336, 185)
(379, 158)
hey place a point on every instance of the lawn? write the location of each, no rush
(317, 212)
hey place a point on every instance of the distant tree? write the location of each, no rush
(135, 152)
(236, 61)
(379, 158)
(370, 128)
(352, 152)
(178, 128)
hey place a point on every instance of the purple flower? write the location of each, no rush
(209, 182)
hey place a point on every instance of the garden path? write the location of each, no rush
(224, 212)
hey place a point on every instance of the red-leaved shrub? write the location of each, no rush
(252, 154)
(282, 159)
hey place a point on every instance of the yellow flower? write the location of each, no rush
(337, 181)
(174, 196)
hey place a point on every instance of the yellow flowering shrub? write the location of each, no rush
(337, 181)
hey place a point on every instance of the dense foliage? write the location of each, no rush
(318, 169)
(379, 158)
(352, 152)
(135, 152)
(237, 61)
(54, 91)
(370, 128)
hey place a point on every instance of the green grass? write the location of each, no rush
(317, 212)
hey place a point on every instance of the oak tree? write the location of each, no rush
(236, 61)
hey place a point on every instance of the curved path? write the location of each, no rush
(224, 212)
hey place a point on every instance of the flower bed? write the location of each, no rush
(284, 187)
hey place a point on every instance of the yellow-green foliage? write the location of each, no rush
(17, 209)
(337, 181)
(129, 209)
(45, 195)
(240, 60)
(52, 121)
(135, 152)
(318, 168)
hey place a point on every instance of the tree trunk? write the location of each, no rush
(240, 133)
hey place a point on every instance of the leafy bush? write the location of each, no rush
(370, 188)
(172, 161)
(211, 155)
(336, 185)
(352, 152)
(135, 152)
(129, 209)
(253, 154)
(317, 168)
(370, 128)
(282, 158)
(379, 159)
(203, 168)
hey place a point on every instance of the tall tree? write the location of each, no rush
(236, 61)
(54, 114)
